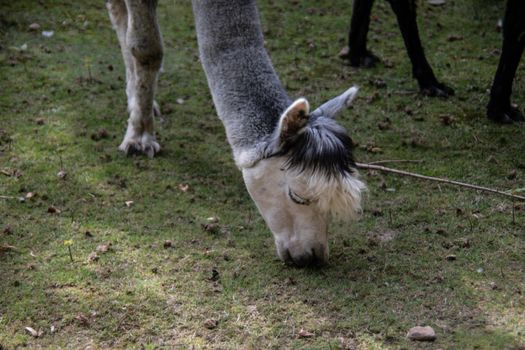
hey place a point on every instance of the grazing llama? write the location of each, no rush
(297, 165)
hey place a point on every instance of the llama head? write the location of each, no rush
(309, 179)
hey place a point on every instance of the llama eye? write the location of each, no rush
(297, 199)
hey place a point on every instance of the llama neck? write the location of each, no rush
(246, 91)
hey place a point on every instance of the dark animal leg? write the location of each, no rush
(499, 108)
(405, 11)
(358, 54)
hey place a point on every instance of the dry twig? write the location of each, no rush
(437, 179)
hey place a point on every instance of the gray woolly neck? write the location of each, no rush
(247, 93)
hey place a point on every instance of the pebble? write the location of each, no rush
(421, 333)
(34, 26)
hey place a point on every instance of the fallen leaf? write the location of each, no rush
(214, 275)
(211, 228)
(100, 134)
(53, 210)
(33, 332)
(30, 195)
(82, 319)
(128, 203)
(210, 323)
(305, 334)
(454, 38)
(183, 187)
(103, 248)
(447, 119)
(512, 175)
(93, 257)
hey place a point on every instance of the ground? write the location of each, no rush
(149, 268)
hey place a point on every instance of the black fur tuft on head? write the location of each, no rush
(322, 147)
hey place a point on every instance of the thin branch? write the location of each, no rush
(396, 161)
(437, 179)
(7, 197)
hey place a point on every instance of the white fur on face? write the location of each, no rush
(300, 231)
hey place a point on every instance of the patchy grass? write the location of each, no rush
(62, 107)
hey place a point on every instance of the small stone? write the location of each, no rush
(30, 195)
(180, 101)
(421, 333)
(345, 52)
(210, 323)
(34, 26)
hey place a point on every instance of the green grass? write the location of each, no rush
(387, 273)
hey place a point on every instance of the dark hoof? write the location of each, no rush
(516, 115)
(437, 90)
(505, 116)
(366, 60)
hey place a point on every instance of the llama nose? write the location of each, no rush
(312, 258)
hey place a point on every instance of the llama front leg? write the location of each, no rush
(499, 108)
(139, 36)
(358, 55)
(405, 11)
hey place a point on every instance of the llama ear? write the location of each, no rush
(332, 107)
(293, 120)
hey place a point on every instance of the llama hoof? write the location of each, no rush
(516, 115)
(508, 116)
(145, 145)
(437, 90)
(366, 60)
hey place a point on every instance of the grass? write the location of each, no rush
(388, 272)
